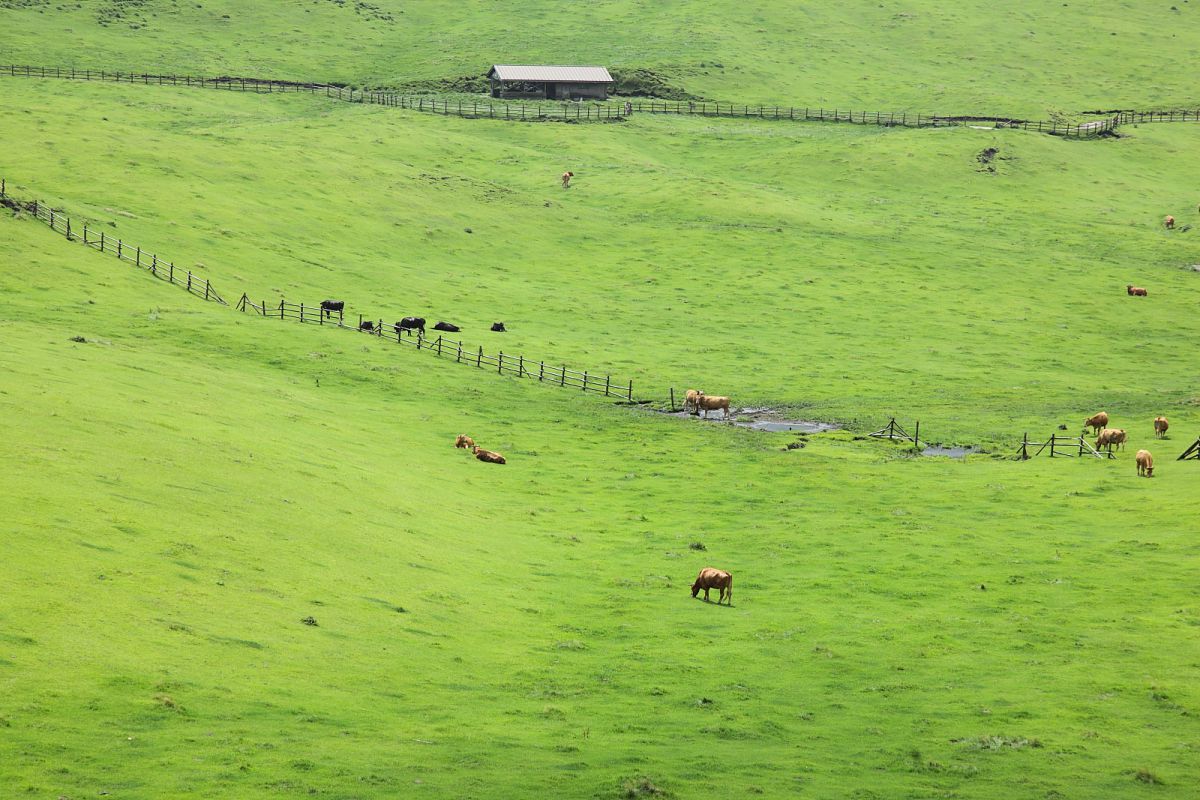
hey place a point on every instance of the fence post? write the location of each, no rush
(68, 229)
(585, 377)
(85, 241)
(206, 286)
(672, 390)
(189, 285)
(479, 358)
(607, 380)
(154, 268)
(139, 257)
(458, 358)
(500, 363)
(101, 241)
(171, 272)
(541, 370)
(439, 345)
(917, 437)
(630, 396)
(281, 309)
(520, 366)
(119, 245)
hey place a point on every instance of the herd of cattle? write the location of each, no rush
(1115, 437)
(406, 325)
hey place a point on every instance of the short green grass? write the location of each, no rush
(193, 483)
(969, 57)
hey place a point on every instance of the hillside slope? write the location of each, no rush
(971, 57)
(194, 482)
(857, 272)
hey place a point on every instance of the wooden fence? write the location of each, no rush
(1073, 446)
(579, 112)
(895, 119)
(502, 363)
(100, 240)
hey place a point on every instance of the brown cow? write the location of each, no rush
(1096, 422)
(1109, 437)
(706, 403)
(1160, 427)
(1169, 221)
(710, 578)
(488, 456)
(1145, 463)
(1135, 291)
(464, 442)
(691, 401)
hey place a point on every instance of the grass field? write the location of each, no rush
(188, 492)
(967, 58)
(189, 483)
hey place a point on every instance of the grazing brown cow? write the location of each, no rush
(1169, 221)
(1135, 291)
(1160, 427)
(464, 442)
(1111, 436)
(705, 403)
(1096, 422)
(1145, 463)
(488, 456)
(690, 401)
(710, 578)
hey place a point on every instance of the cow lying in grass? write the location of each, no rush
(710, 578)
(1136, 291)
(488, 456)
(464, 442)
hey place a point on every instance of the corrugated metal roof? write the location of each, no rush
(511, 72)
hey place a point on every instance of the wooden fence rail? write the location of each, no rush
(102, 241)
(462, 353)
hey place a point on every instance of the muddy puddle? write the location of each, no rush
(762, 419)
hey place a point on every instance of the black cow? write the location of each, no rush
(367, 325)
(411, 324)
(330, 306)
(447, 327)
(498, 327)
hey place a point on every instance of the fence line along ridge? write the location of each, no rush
(574, 112)
(578, 112)
(163, 270)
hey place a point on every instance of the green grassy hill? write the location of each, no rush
(193, 483)
(855, 271)
(967, 58)
(188, 484)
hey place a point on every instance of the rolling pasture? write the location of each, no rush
(855, 272)
(915, 55)
(243, 559)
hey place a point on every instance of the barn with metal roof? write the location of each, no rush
(550, 82)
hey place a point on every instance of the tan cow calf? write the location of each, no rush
(1145, 463)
